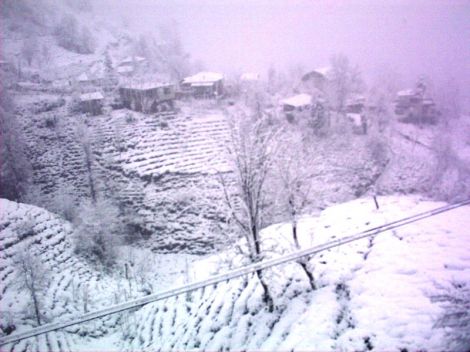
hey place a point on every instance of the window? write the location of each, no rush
(166, 90)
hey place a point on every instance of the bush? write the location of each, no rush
(98, 231)
(456, 316)
(51, 121)
(130, 118)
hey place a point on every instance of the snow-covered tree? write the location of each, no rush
(294, 170)
(15, 168)
(29, 50)
(251, 150)
(83, 135)
(71, 37)
(32, 278)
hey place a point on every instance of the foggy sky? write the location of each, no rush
(411, 37)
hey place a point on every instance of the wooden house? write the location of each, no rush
(412, 106)
(91, 103)
(203, 85)
(148, 97)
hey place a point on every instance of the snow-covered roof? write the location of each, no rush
(145, 85)
(131, 59)
(91, 96)
(83, 77)
(125, 69)
(298, 100)
(406, 92)
(325, 71)
(203, 77)
(249, 76)
(356, 99)
(428, 101)
(355, 118)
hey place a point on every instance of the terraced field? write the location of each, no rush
(149, 164)
(371, 294)
(153, 164)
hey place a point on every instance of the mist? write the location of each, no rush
(410, 38)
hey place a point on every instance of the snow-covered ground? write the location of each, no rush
(383, 293)
(378, 294)
(72, 286)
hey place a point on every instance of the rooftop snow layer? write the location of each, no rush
(406, 92)
(298, 100)
(325, 71)
(130, 59)
(204, 77)
(125, 69)
(145, 85)
(355, 118)
(83, 77)
(91, 96)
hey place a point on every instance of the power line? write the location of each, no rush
(137, 303)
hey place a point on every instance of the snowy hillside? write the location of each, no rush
(379, 294)
(72, 286)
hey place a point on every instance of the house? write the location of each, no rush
(412, 106)
(148, 97)
(297, 105)
(203, 85)
(91, 103)
(318, 78)
(130, 65)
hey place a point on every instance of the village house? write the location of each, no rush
(148, 97)
(203, 85)
(414, 107)
(297, 106)
(131, 65)
(317, 79)
(91, 103)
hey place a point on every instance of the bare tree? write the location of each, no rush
(345, 80)
(251, 149)
(32, 277)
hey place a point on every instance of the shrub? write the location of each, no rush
(98, 231)
(130, 118)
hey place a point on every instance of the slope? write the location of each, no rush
(72, 285)
(386, 293)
